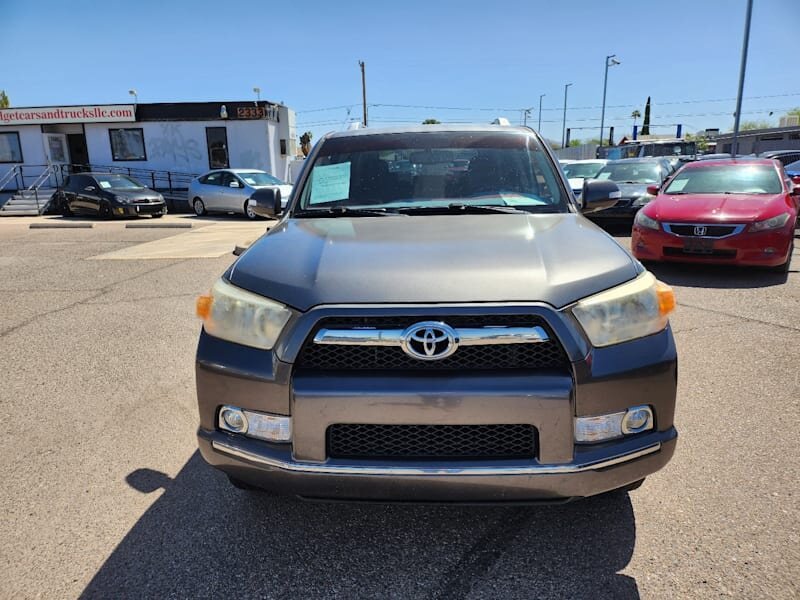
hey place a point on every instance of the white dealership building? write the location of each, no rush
(181, 138)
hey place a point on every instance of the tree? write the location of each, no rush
(635, 115)
(431, 122)
(646, 124)
(750, 125)
(305, 142)
(4, 101)
(573, 143)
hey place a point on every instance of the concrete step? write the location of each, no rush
(18, 213)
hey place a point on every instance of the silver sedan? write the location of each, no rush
(228, 190)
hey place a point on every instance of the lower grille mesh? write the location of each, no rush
(432, 441)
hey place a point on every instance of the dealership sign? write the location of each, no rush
(108, 113)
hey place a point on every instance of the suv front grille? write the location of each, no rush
(432, 441)
(532, 356)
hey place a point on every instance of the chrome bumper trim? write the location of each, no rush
(327, 469)
(478, 336)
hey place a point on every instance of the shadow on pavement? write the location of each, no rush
(203, 538)
(716, 276)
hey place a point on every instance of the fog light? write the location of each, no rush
(601, 428)
(232, 419)
(262, 426)
(598, 428)
(637, 419)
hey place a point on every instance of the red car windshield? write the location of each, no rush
(726, 179)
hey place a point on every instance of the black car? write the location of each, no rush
(109, 195)
(783, 156)
(633, 176)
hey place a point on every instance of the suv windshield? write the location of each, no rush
(631, 172)
(730, 179)
(433, 170)
(117, 182)
(585, 170)
(257, 179)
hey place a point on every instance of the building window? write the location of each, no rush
(10, 150)
(217, 140)
(127, 144)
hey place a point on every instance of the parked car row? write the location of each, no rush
(110, 195)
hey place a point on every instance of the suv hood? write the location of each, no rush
(556, 259)
(711, 207)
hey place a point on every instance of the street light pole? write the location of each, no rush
(611, 60)
(539, 128)
(363, 90)
(742, 68)
(564, 122)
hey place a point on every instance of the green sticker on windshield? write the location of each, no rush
(330, 183)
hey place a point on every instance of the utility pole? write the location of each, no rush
(363, 89)
(539, 128)
(564, 122)
(742, 68)
(611, 60)
(525, 113)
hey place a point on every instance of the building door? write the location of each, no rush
(78, 152)
(217, 141)
(57, 153)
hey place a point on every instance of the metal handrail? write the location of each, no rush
(172, 179)
(10, 174)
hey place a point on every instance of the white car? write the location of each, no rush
(228, 191)
(579, 170)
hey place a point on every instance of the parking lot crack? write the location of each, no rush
(98, 294)
(741, 317)
(481, 557)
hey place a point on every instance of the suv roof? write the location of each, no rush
(430, 129)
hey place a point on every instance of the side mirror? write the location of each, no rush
(653, 190)
(234, 184)
(599, 194)
(796, 180)
(266, 203)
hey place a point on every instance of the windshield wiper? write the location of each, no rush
(459, 208)
(343, 211)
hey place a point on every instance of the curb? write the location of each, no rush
(158, 225)
(61, 226)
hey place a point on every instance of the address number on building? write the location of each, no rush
(257, 112)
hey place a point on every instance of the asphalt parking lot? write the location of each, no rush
(105, 495)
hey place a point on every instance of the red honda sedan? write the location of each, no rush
(739, 211)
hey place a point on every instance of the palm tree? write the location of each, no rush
(635, 115)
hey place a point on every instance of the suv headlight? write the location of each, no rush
(626, 312)
(121, 199)
(773, 223)
(644, 221)
(239, 316)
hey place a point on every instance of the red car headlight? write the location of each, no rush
(772, 223)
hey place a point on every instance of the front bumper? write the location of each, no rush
(593, 470)
(600, 380)
(766, 248)
(135, 210)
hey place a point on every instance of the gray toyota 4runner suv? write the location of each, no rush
(432, 319)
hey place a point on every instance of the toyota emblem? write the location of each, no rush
(429, 340)
(700, 229)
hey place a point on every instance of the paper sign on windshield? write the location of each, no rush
(330, 182)
(104, 184)
(678, 185)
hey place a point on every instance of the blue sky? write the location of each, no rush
(498, 56)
